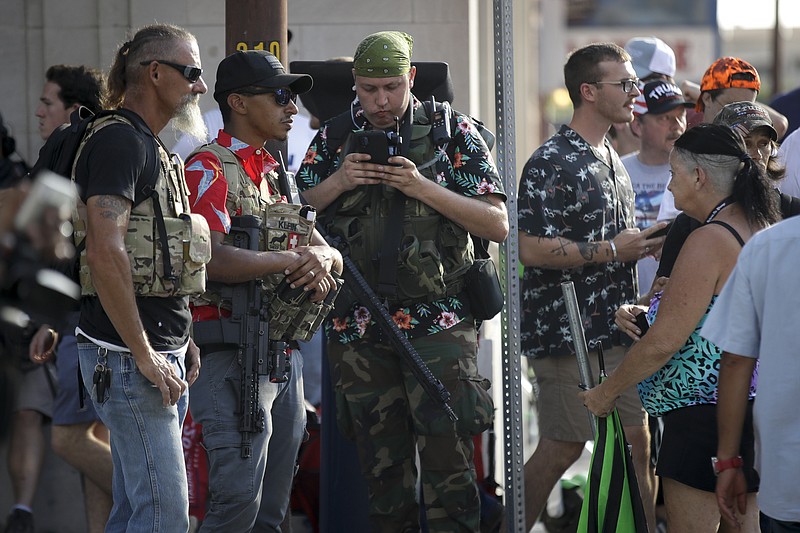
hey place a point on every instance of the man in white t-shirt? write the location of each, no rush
(659, 119)
(789, 157)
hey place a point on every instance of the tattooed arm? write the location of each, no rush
(107, 225)
(559, 252)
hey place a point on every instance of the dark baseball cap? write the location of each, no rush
(256, 68)
(744, 117)
(658, 97)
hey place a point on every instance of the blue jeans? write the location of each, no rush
(252, 492)
(149, 483)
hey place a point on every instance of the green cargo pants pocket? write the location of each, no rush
(343, 417)
(473, 405)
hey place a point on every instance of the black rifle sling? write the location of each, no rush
(387, 271)
(363, 293)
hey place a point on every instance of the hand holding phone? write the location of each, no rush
(372, 142)
(642, 323)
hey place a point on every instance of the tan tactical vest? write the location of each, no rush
(284, 226)
(187, 235)
(435, 252)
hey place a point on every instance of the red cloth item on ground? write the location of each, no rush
(196, 467)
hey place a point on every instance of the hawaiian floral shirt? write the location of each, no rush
(469, 170)
(567, 190)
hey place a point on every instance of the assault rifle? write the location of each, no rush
(363, 293)
(249, 309)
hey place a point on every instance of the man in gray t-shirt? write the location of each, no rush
(659, 119)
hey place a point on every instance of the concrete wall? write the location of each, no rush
(37, 33)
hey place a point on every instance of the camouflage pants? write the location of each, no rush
(384, 409)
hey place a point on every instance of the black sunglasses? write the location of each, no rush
(282, 96)
(192, 74)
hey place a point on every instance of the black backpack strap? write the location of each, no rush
(390, 249)
(790, 205)
(162, 236)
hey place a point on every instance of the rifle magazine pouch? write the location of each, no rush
(482, 289)
(420, 273)
(288, 226)
(189, 243)
(196, 253)
(292, 314)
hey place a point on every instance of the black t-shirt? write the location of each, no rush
(112, 163)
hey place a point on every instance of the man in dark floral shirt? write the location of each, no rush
(576, 222)
(450, 190)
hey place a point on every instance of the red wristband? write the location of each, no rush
(720, 465)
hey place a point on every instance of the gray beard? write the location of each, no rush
(189, 120)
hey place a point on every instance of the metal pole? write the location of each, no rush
(514, 494)
(578, 340)
(777, 52)
(258, 25)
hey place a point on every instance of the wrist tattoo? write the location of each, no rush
(588, 249)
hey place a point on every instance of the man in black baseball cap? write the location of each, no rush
(256, 69)
(250, 474)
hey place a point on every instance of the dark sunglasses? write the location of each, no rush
(192, 74)
(282, 96)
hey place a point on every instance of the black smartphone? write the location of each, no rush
(372, 142)
(642, 323)
(660, 233)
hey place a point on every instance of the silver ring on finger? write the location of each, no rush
(311, 272)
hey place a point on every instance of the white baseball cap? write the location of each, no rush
(651, 55)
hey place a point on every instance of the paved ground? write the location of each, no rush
(58, 506)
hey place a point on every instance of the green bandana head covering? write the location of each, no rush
(384, 54)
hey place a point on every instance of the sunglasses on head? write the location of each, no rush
(282, 95)
(192, 74)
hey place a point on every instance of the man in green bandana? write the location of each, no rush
(407, 226)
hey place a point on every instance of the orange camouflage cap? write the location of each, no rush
(727, 73)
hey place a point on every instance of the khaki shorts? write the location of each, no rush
(562, 415)
(36, 390)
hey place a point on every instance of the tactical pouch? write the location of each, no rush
(420, 274)
(189, 248)
(292, 314)
(189, 245)
(482, 289)
(288, 226)
(195, 252)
